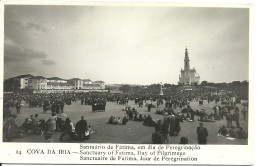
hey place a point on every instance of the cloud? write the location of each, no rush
(19, 60)
(16, 24)
(48, 62)
(37, 27)
(26, 26)
(14, 53)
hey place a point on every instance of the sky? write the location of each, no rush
(126, 44)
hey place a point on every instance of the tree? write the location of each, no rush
(204, 83)
(166, 85)
(125, 88)
(11, 85)
(108, 88)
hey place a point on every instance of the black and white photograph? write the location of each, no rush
(126, 74)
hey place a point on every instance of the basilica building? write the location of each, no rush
(188, 76)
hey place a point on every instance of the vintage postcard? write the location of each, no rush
(126, 83)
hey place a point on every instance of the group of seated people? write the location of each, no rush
(36, 126)
(114, 120)
(31, 125)
(185, 117)
(150, 105)
(207, 118)
(81, 131)
(131, 112)
(149, 121)
(240, 134)
(165, 111)
(139, 118)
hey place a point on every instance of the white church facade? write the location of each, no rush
(188, 76)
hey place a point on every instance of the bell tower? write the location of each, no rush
(186, 60)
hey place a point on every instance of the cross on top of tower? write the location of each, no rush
(186, 53)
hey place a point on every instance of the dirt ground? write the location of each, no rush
(131, 133)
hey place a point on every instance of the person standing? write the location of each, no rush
(202, 133)
(192, 115)
(61, 106)
(52, 122)
(236, 118)
(244, 112)
(67, 135)
(165, 131)
(81, 127)
(149, 107)
(228, 119)
(18, 107)
(35, 122)
(157, 137)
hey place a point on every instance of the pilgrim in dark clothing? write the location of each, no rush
(241, 134)
(141, 118)
(165, 131)
(124, 121)
(157, 137)
(172, 125)
(53, 107)
(158, 125)
(111, 119)
(67, 135)
(177, 126)
(236, 118)
(223, 131)
(18, 107)
(81, 127)
(202, 134)
(192, 115)
(229, 120)
(149, 107)
(61, 106)
(184, 140)
(136, 118)
(232, 133)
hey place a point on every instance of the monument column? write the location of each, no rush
(161, 91)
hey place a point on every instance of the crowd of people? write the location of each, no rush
(170, 125)
(33, 125)
(116, 121)
(232, 132)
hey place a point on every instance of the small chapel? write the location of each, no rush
(188, 76)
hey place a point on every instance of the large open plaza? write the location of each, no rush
(133, 132)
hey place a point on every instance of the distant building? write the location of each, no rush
(188, 76)
(37, 82)
(56, 83)
(23, 80)
(100, 83)
(87, 81)
(41, 84)
(59, 86)
(57, 80)
(77, 83)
